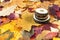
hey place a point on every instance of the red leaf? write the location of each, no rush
(51, 35)
(31, 9)
(58, 14)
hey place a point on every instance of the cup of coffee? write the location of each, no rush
(41, 15)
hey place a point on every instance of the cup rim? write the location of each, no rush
(38, 11)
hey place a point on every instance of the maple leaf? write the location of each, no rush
(27, 21)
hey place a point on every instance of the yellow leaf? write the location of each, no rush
(11, 26)
(56, 38)
(27, 21)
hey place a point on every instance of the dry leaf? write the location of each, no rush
(42, 35)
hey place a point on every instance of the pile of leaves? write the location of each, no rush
(52, 29)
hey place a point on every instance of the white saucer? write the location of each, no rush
(41, 20)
